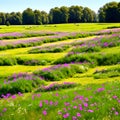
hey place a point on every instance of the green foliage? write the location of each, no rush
(107, 73)
(45, 40)
(81, 102)
(108, 59)
(21, 84)
(59, 72)
(15, 18)
(7, 61)
(75, 14)
(28, 17)
(89, 15)
(2, 18)
(94, 60)
(102, 100)
(8, 23)
(27, 61)
(86, 49)
(49, 49)
(38, 20)
(56, 86)
(109, 12)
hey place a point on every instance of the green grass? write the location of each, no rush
(111, 50)
(27, 106)
(43, 56)
(88, 78)
(101, 100)
(59, 27)
(25, 50)
(9, 70)
(15, 51)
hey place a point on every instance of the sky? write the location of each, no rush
(46, 5)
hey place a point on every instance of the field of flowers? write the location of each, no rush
(60, 75)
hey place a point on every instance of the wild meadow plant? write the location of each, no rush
(59, 72)
(25, 82)
(90, 52)
(10, 61)
(50, 49)
(91, 60)
(59, 36)
(21, 82)
(107, 73)
(10, 35)
(56, 86)
(96, 44)
(16, 35)
(45, 98)
(90, 102)
(56, 36)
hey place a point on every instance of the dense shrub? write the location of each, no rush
(7, 61)
(96, 44)
(107, 73)
(59, 72)
(86, 49)
(49, 49)
(23, 61)
(56, 86)
(92, 59)
(20, 83)
(81, 58)
(108, 59)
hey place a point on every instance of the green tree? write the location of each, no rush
(88, 15)
(28, 16)
(2, 18)
(118, 11)
(38, 17)
(55, 15)
(44, 17)
(75, 14)
(15, 18)
(64, 14)
(109, 12)
(50, 16)
(101, 15)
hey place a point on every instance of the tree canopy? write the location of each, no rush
(110, 12)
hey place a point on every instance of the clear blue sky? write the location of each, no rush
(20, 5)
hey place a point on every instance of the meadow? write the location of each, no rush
(60, 72)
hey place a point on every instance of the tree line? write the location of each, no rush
(110, 12)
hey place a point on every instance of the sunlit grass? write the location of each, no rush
(15, 51)
(102, 100)
(43, 56)
(111, 50)
(87, 78)
(90, 80)
(25, 50)
(59, 27)
(8, 70)
(27, 108)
